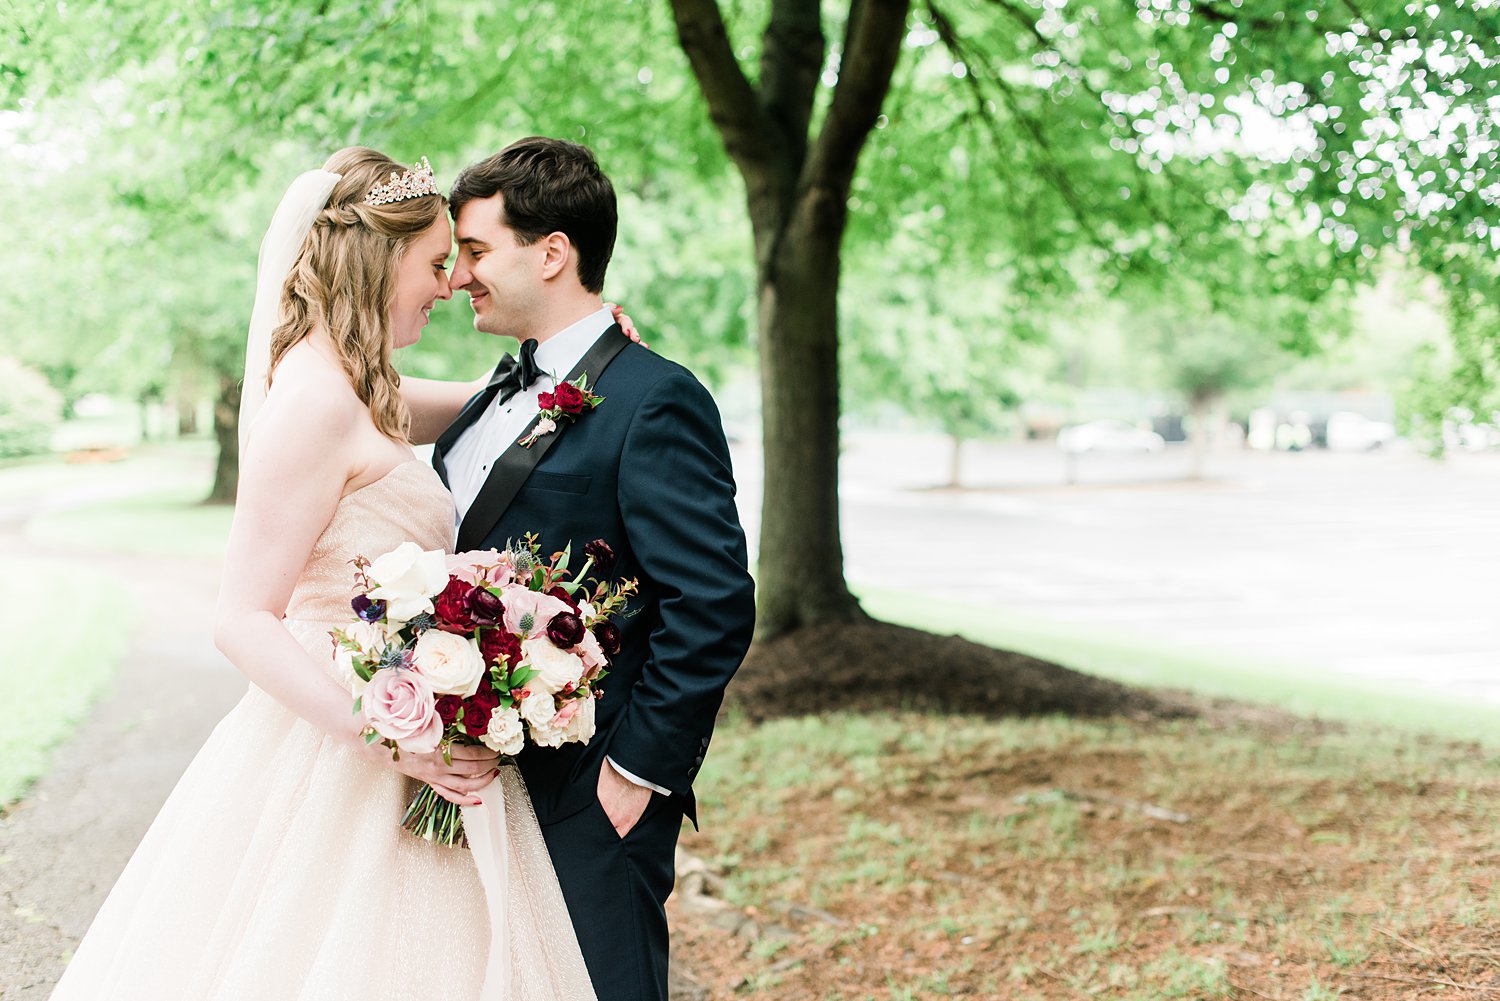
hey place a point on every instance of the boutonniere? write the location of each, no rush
(568, 402)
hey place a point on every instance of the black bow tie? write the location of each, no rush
(512, 376)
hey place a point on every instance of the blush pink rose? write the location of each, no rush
(482, 566)
(592, 652)
(521, 602)
(575, 721)
(399, 705)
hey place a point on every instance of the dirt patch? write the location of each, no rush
(877, 667)
(1064, 859)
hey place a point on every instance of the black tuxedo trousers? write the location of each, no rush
(648, 472)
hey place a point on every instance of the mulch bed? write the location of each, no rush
(877, 667)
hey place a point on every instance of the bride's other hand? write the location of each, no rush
(471, 770)
(626, 324)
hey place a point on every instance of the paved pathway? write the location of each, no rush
(63, 845)
(1374, 566)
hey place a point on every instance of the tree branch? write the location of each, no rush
(1209, 12)
(791, 60)
(1081, 79)
(872, 46)
(732, 104)
(949, 36)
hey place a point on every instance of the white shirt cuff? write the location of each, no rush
(636, 779)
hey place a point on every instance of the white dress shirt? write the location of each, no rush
(469, 460)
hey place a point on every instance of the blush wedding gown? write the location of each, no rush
(278, 868)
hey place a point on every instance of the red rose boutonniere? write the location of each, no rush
(568, 402)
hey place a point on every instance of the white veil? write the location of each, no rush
(304, 199)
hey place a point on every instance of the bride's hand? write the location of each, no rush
(625, 323)
(472, 769)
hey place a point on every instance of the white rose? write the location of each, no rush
(555, 669)
(505, 734)
(451, 664)
(539, 710)
(573, 723)
(407, 578)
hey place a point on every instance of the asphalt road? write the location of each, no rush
(1379, 564)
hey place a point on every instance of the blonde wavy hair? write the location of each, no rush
(345, 280)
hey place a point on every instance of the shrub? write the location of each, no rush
(29, 410)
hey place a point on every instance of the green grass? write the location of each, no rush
(65, 632)
(1304, 689)
(150, 503)
(22, 478)
(169, 521)
(116, 430)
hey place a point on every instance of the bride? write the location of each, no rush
(278, 867)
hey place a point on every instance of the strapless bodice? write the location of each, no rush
(408, 504)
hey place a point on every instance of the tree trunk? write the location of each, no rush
(1198, 408)
(801, 566)
(227, 434)
(187, 418)
(797, 191)
(955, 464)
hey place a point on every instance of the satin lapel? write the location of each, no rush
(515, 464)
(467, 416)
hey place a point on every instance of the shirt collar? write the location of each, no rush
(559, 353)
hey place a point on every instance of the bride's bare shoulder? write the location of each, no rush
(311, 386)
(310, 402)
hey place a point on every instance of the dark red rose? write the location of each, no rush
(569, 398)
(565, 629)
(484, 695)
(476, 717)
(497, 643)
(451, 608)
(485, 608)
(448, 707)
(601, 554)
(560, 593)
(608, 635)
(546, 400)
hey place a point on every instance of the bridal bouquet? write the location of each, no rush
(492, 647)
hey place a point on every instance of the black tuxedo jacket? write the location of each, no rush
(648, 472)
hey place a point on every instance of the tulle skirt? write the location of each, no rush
(278, 870)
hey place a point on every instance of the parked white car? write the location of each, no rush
(1109, 436)
(1352, 432)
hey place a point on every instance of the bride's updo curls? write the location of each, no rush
(345, 279)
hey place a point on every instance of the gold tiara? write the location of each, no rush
(413, 184)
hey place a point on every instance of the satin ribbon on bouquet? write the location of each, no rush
(489, 840)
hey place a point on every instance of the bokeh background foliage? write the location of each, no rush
(821, 187)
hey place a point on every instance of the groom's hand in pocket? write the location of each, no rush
(624, 802)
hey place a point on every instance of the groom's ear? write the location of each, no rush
(557, 256)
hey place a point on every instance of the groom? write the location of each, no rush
(647, 471)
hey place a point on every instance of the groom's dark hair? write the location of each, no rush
(549, 186)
